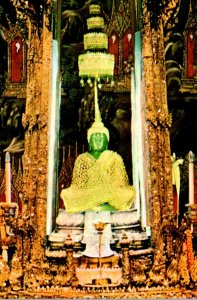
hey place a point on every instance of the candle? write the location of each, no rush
(191, 178)
(8, 177)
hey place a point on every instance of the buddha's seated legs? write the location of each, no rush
(104, 207)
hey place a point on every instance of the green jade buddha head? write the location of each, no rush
(98, 143)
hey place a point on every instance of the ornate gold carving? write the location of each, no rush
(31, 121)
(194, 271)
(8, 217)
(16, 89)
(28, 10)
(166, 11)
(138, 275)
(4, 273)
(158, 118)
(170, 12)
(183, 270)
(71, 272)
(120, 20)
(36, 276)
(158, 271)
(189, 244)
(173, 273)
(189, 84)
(157, 142)
(16, 273)
(125, 260)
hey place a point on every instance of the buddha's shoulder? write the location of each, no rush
(112, 154)
(84, 156)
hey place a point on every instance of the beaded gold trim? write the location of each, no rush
(95, 22)
(95, 40)
(103, 65)
(95, 9)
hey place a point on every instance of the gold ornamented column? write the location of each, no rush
(125, 260)
(158, 122)
(35, 122)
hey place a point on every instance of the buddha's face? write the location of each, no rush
(98, 141)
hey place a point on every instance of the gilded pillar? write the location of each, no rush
(158, 122)
(36, 141)
(125, 260)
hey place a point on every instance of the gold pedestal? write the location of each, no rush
(93, 262)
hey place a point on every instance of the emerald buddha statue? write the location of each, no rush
(99, 186)
(100, 181)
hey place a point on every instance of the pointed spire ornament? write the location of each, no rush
(95, 63)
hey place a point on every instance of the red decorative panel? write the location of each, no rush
(175, 197)
(127, 44)
(195, 189)
(113, 48)
(16, 60)
(191, 44)
(3, 198)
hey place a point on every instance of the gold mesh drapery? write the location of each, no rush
(96, 182)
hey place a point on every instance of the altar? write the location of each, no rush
(122, 222)
(94, 261)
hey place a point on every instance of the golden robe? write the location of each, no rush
(98, 181)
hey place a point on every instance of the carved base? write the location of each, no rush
(93, 262)
(113, 292)
(188, 86)
(99, 277)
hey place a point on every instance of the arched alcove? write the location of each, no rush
(76, 104)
